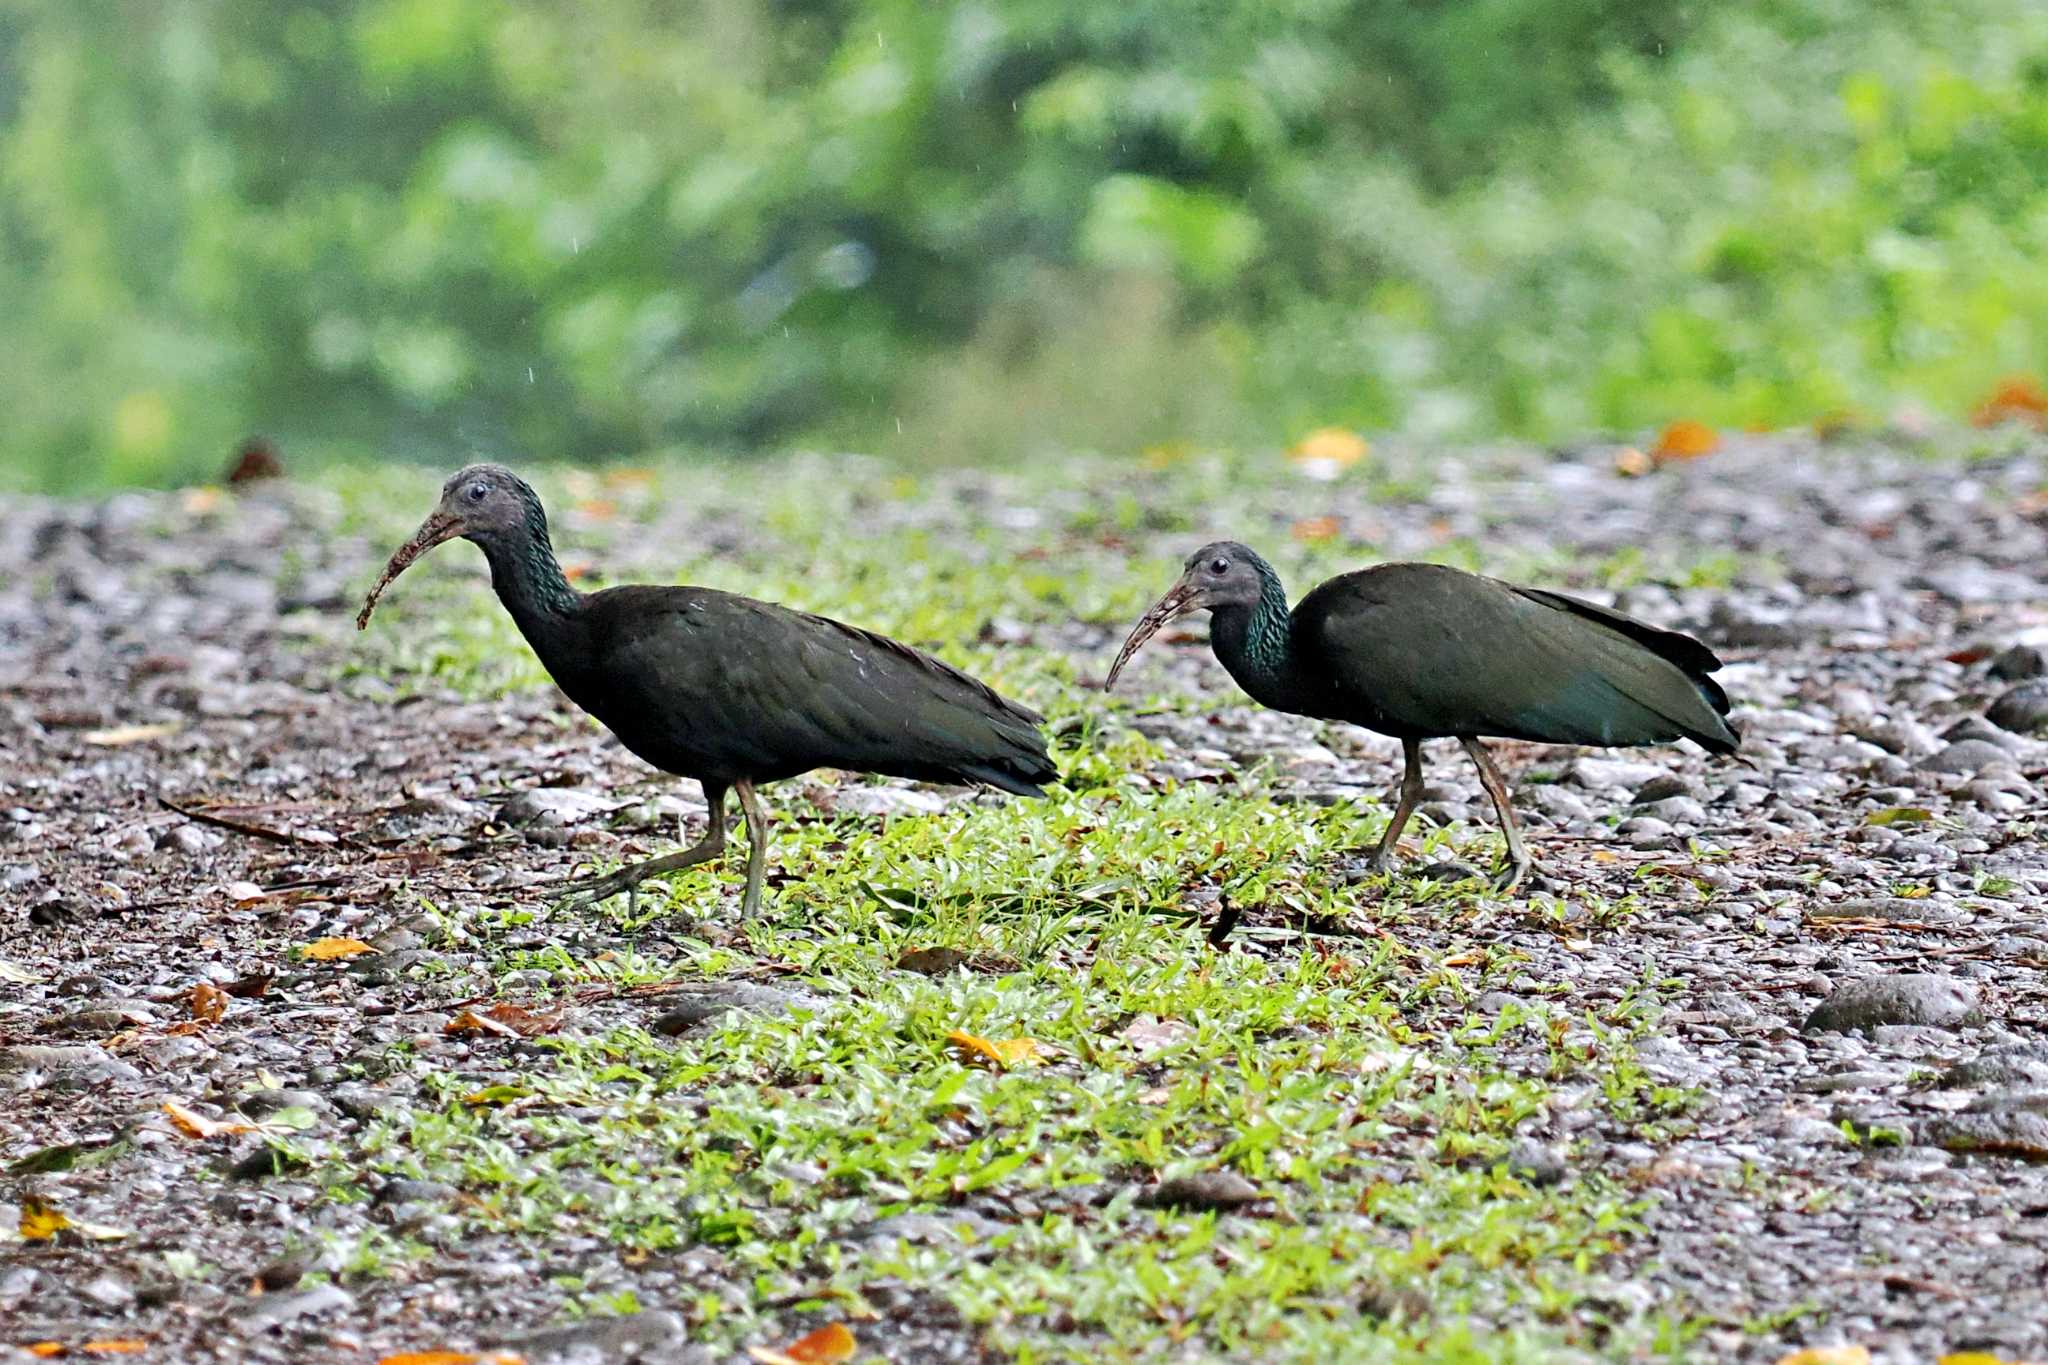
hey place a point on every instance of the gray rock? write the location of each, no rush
(657, 1335)
(2009, 1064)
(1202, 1190)
(2023, 709)
(1901, 998)
(1606, 773)
(1662, 787)
(266, 1311)
(1539, 1165)
(554, 806)
(2012, 1132)
(1970, 757)
(887, 801)
(700, 1004)
(1891, 909)
(2020, 661)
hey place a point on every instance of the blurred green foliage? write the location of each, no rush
(524, 227)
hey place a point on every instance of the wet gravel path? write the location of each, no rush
(1846, 928)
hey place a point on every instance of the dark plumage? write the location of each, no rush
(725, 689)
(1420, 651)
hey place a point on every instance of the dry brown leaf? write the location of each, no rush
(116, 736)
(1828, 1355)
(1467, 959)
(829, 1345)
(2015, 398)
(334, 949)
(46, 1349)
(196, 1125)
(1005, 1052)
(1685, 440)
(114, 1346)
(209, 1002)
(1314, 528)
(469, 1021)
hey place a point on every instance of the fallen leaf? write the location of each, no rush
(1685, 440)
(1314, 528)
(241, 892)
(118, 735)
(16, 976)
(46, 1349)
(1631, 463)
(1164, 455)
(1828, 1355)
(209, 1002)
(826, 1346)
(1007, 1052)
(334, 949)
(119, 1346)
(2015, 398)
(39, 1221)
(469, 1021)
(1899, 815)
(1328, 451)
(1467, 959)
(496, 1094)
(196, 1125)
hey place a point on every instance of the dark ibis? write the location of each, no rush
(1422, 651)
(725, 689)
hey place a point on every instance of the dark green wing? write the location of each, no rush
(734, 687)
(1425, 650)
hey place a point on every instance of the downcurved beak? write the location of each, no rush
(442, 525)
(1180, 599)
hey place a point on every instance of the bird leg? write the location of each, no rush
(757, 839)
(1404, 805)
(591, 890)
(1497, 788)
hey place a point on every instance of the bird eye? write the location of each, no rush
(476, 492)
(1219, 566)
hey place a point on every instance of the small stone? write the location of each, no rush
(1537, 1164)
(266, 1311)
(1890, 909)
(2020, 661)
(1900, 998)
(1202, 1190)
(2012, 1132)
(2023, 709)
(654, 1335)
(1602, 774)
(553, 806)
(2009, 1065)
(1969, 757)
(887, 801)
(1662, 787)
(702, 1003)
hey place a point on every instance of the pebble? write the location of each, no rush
(2022, 709)
(554, 806)
(1970, 756)
(1900, 998)
(1223, 1190)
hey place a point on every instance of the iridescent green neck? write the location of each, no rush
(526, 574)
(1256, 643)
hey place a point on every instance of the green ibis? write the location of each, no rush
(725, 689)
(1421, 651)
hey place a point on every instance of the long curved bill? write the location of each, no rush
(1178, 602)
(435, 529)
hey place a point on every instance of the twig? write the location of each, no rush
(275, 836)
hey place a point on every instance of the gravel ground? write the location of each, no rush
(1847, 942)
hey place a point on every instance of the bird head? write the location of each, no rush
(483, 503)
(1220, 574)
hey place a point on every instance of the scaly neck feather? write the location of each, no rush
(1255, 644)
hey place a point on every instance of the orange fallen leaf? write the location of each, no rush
(46, 1349)
(598, 509)
(1685, 440)
(2015, 398)
(827, 1346)
(1006, 1052)
(334, 949)
(1464, 960)
(469, 1021)
(117, 1346)
(1314, 528)
(629, 476)
(197, 1125)
(209, 1002)
(576, 571)
(1828, 1355)
(1336, 447)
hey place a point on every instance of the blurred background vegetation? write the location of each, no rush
(962, 229)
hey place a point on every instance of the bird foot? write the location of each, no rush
(1509, 878)
(573, 893)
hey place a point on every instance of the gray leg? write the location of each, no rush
(1404, 805)
(591, 890)
(757, 853)
(1497, 788)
